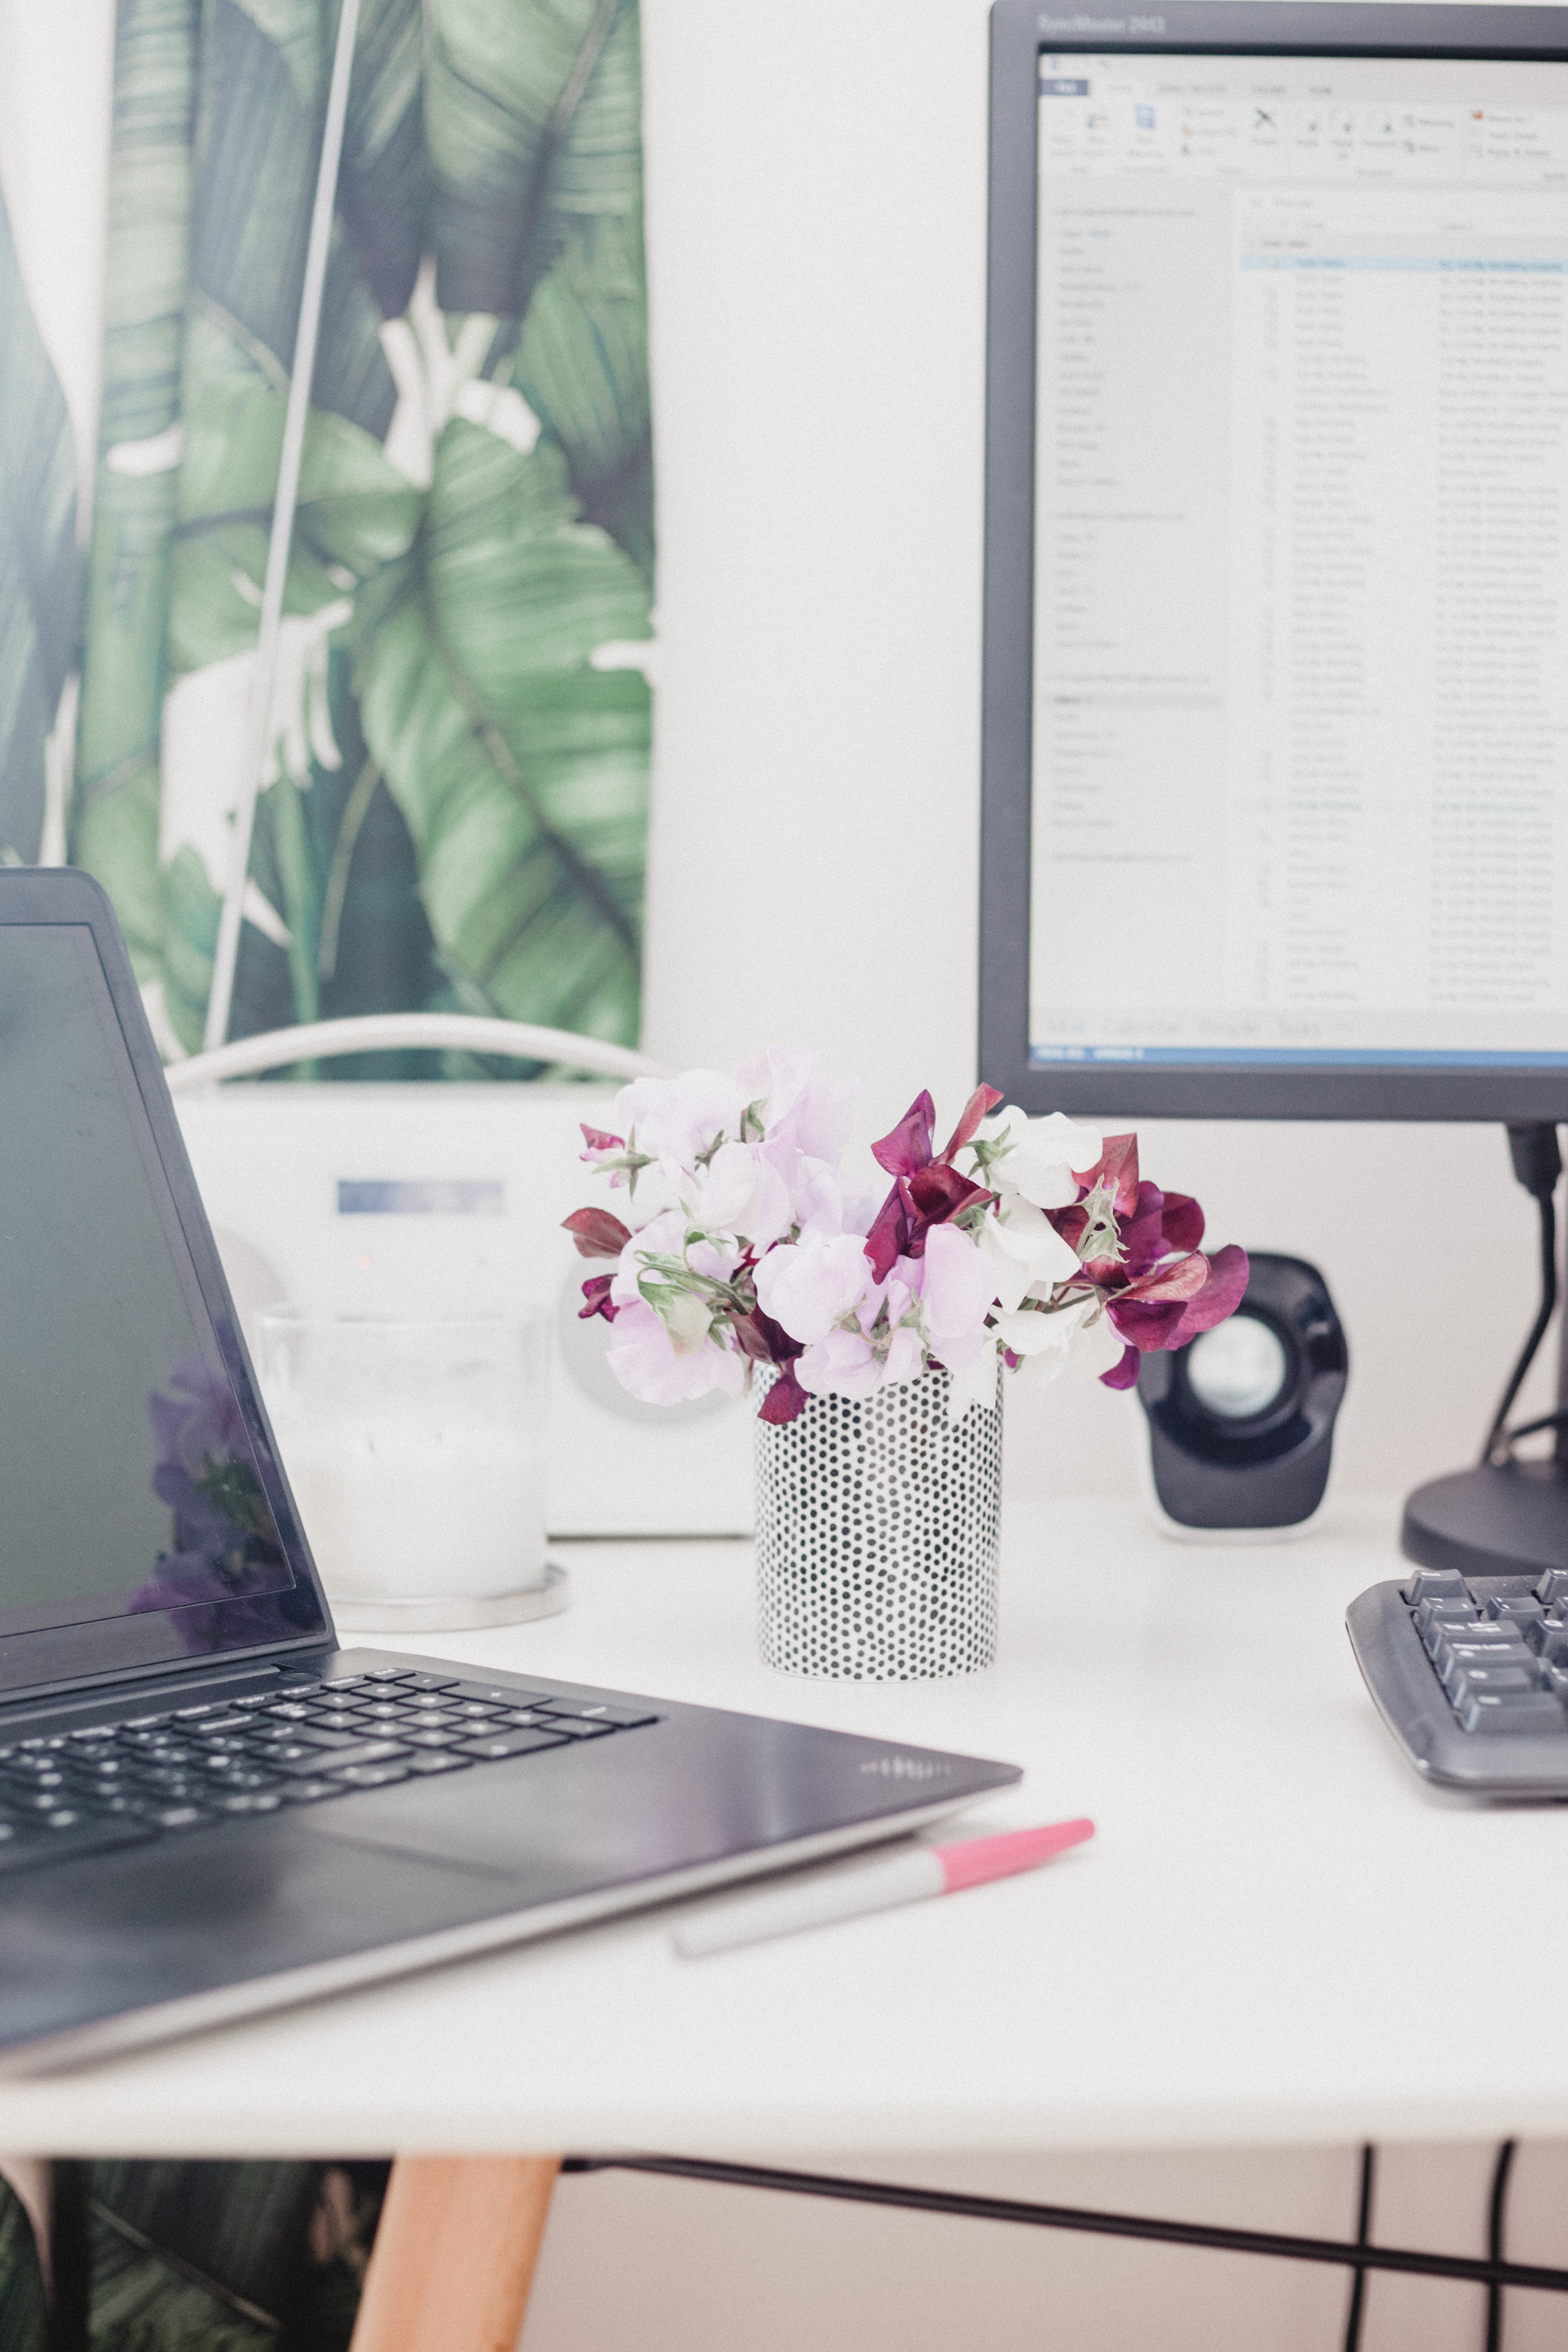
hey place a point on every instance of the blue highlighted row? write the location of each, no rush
(1273, 1057)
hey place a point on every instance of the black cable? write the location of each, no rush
(1362, 2238)
(1494, 2242)
(1404, 2259)
(1537, 1163)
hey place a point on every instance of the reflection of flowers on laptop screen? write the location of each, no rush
(226, 1546)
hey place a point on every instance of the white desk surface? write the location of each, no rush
(1277, 1935)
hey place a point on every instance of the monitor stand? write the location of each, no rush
(1506, 1519)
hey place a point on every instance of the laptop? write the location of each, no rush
(208, 1808)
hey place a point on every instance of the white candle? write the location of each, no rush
(415, 1451)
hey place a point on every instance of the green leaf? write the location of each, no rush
(537, 152)
(39, 575)
(115, 814)
(520, 771)
(258, 138)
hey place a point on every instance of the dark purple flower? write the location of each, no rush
(784, 1399)
(908, 1145)
(596, 1291)
(597, 1233)
(981, 1103)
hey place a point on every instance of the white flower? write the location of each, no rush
(1027, 1250)
(1039, 1158)
(1080, 1336)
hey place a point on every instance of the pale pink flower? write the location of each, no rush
(739, 1191)
(812, 1285)
(796, 1106)
(651, 1365)
(958, 1288)
(826, 1202)
(677, 1119)
(843, 1363)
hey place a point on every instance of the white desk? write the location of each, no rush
(1253, 1950)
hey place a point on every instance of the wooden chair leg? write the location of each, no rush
(454, 2253)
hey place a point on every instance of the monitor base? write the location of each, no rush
(1506, 1520)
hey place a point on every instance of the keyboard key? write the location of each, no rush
(1553, 1588)
(1501, 1711)
(1489, 1673)
(436, 1760)
(577, 1728)
(90, 1731)
(1432, 1615)
(177, 1817)
(220, 1723)
(309, 1792)
(25, 1852)
(490, 1747)
(427, 1681)
(258, 1801)
(373, 1776)
(1461, 1684)
(622, 1718)
(1432, 1584)
(437, 1740)
(365, 1751)
(1516, 1609)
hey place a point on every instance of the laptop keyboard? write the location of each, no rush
(101, 1785)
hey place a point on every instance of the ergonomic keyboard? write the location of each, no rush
(101, 1785)
(1470, 1675)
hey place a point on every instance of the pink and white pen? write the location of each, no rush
(907, 1877)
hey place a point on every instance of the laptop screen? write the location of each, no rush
(128, 1482)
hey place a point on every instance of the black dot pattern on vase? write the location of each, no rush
(876, 1526)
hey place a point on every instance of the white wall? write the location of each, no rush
(817, 242)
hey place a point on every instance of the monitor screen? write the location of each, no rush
(1295, 748)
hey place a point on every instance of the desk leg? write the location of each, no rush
(454, 2253)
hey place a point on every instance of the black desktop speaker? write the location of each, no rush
(1241, 1420)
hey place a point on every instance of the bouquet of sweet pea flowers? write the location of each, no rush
(1029, 1240)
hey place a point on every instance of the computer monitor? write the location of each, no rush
(1276, 693)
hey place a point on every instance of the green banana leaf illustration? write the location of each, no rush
(115, 808)
(454, 808)
(38, 571)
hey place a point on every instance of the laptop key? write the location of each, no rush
(577, 1728)
(427, 1681)
(309, 1792)
(498, 1693)
(373, 1776)
(439, 1760)
(255, 1801)
(622, 1718)
(491, 1747)
(23, 1852)
(365, 1751)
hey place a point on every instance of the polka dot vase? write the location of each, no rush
(876, 1525)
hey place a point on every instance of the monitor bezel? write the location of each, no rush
(1020, 30)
